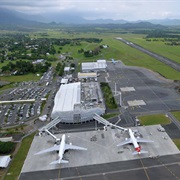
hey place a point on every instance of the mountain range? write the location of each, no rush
(13, 17)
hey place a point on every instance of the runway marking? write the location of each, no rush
(78, 174)
(144, 168)
(113, 172)
(59, 173)
(167, 168)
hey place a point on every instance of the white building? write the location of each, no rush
(87, 75)
(64, 81)
(78, 102)
(100, 65)
(4, 161)
(67, 69)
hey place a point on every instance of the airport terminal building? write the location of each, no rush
(77, 102)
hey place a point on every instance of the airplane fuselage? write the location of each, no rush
(134, 141)
(62, 147)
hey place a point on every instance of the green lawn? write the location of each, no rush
(18, 161)
(154, 119)
(110, 115)
(176, 114)
(117, 50)
(177, 142)
(27, 77)
(159, 47)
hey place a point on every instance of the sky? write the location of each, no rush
(105, 9)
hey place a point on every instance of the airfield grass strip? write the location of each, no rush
(177, 143)
(177, 115)
(18, 161)
(158, 46)
(154, 119)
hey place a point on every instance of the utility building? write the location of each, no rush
(78, 102)
(87, 75)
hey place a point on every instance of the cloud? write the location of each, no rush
(93, 9)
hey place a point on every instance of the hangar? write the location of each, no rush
(78, 102)
(100, 65)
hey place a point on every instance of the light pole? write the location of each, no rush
(120, 99)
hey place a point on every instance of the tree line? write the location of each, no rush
(25, 67)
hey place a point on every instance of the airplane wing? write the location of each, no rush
(141, 140)
(69, 146)
(54, 148)
(58, 162)
(128, 141)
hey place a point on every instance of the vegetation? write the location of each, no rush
(110, 115)
(14, 79)
(59, 69)
(85, 44)
(157, 45)
(13, 130)
(177, 142)
(177, 115)
(6, 147)
(18, 160)
(154, 119)
(25, 67)
(108, 96)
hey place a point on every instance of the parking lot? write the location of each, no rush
(19, 113)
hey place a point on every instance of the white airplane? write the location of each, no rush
(62, 147)
(135, 142)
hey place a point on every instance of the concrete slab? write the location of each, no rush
(101, 147)
(127, 89)
(136, 103)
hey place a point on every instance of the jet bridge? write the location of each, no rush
(107, 123)
(51, 124)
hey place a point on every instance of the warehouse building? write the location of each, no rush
(78, 102)
(100, 65)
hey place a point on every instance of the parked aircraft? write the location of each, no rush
(135, 142)
(62, 147)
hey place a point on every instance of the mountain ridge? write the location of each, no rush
(14, 17)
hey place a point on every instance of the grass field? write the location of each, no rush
(159, 47)
(177, 115)
(177, 142)
(14, 79)
(154, 119)
(18, 160)
(117, 50)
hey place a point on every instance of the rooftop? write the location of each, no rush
(67, 96)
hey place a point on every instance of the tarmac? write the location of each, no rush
(158, 93)
(102, 148)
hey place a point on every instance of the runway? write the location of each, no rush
(161, 168)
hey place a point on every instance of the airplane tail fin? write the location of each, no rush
(141, 152)
(59, 162)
